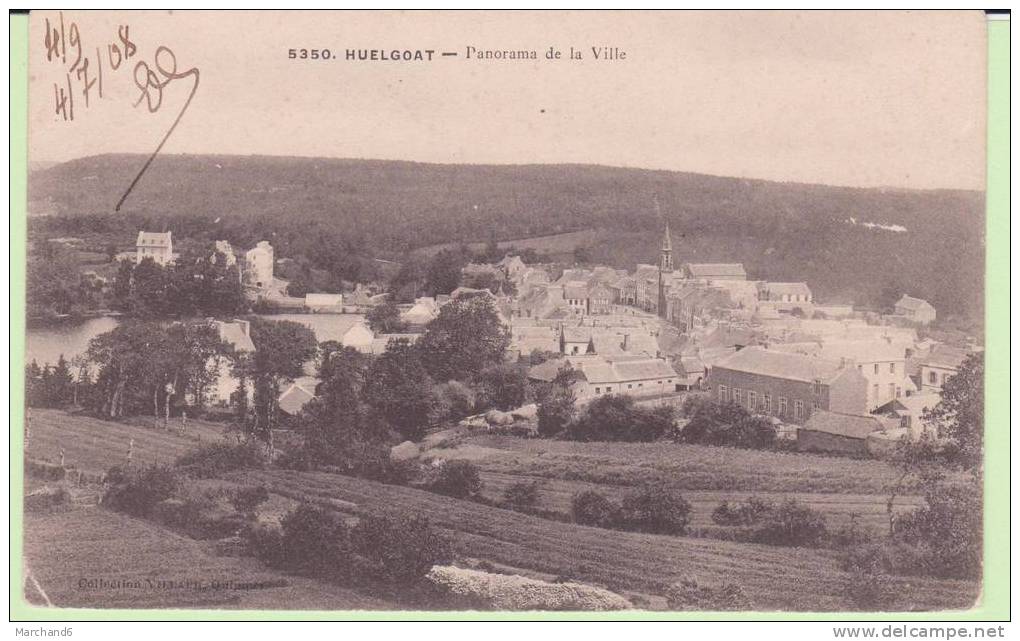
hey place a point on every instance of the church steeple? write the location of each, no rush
(666, 255)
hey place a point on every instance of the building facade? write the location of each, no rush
(787, 386)
(155, 245)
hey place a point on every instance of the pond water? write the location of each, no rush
(46, 343)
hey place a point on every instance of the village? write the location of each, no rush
(828, 377)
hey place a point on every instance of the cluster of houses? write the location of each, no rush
(256, 264)
(833, 378)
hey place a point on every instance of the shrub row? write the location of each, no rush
(653, 508)
(316, 542)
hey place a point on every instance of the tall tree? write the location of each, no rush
(399, 389)
(443, 275)
(464, 339)
(960, 416)
(281, 350)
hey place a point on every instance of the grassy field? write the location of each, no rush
(690, 467)
(95, 445)
(555, 495)
(838, 487)
(627, 563)
(95, 558)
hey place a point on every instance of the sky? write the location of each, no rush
(871, 99)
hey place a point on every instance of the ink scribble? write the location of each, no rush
(151, 85)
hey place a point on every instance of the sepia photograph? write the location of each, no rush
(505, 311)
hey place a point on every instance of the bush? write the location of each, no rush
(852, 534)
(265, 543)
(247, 500)
(656, 509)
(712, 423)
(458, 478)
(745, 514)
(521, 495)
(870, 590)
(946, 531)
(555, 410)
(398, 550)
(453, 401)
(315, 542)
(214, 460)
(299, 460)
(45, 471)
(591, 508)
(616, 418)
(48, 499)
(791, 524)
(136, 492)
(690, 594)
(199, 515)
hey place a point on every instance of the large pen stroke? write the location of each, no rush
(151, 86)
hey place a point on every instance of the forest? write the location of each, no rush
(864, 246)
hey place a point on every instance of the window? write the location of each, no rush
(899, 392)
(766, 403)
(723, 393)
(752, 401)
(876, 368)
(598, 390)
(640, 384)
(859, 368)
(629, 386)
(933, 378)
(892, 368)
(945, 377)
(798, 410)
(737, 395)
(817, 387)
(874, 391)
(816, 405)
(782, 407)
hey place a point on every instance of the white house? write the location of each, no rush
(882, 362)
(938, 366)
(359, 337)
(258, 265)
(424, 310)
(637, 376)
(915, 309)
(155, 245)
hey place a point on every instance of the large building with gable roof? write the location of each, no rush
(788, 386)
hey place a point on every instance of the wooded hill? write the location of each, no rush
(780, 231)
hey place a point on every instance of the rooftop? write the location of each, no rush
(766, 362)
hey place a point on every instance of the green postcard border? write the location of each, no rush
(996, 593)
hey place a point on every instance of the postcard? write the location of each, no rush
(440, 311)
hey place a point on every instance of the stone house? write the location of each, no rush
(155, 245)
(788, 386)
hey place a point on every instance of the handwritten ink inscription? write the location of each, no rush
(83, 76)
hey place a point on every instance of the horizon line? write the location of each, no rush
(53, 163)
